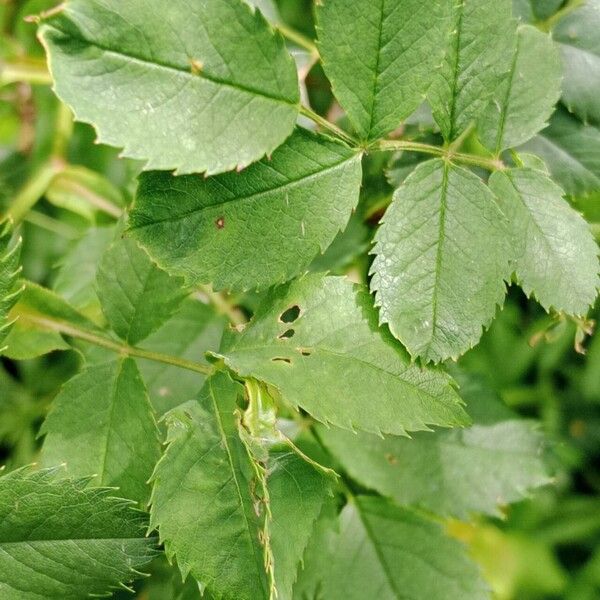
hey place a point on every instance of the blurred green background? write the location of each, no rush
(547, 547)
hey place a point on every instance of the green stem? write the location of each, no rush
(25, 71)
(298, 39)
(548, 24)
(328, 125)
(53, 225)
(491, 164)
(224, 306)
(33, 190)
(74, 331)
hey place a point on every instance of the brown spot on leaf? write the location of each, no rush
(220, 223)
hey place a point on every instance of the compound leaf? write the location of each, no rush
(205, 496)
(400, 554)
(101, 424)
(136, 295)
(452, 473)
(476, 59)
(556, 256)
(526, 97)
(59, 539)
(579, 43)
(441, 256)
(174, 86)
(381, 57)
(317, 340)
(254, 228)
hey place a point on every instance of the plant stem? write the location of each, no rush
(224, 305)
(328, 125)
(49, 224)
(33, 190)
(548, 24)
(26, 71)
(298, 39)
(491, 164)
(74, 331)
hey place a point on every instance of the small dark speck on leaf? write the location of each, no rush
(391, 459)
(220, 223)
(280, 359)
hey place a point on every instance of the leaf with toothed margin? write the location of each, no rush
(10, 270)
(38, 316)
(207, 502)
(577, 37)
(136, 295)
(442, 254)
(297, 495)
(101, 424)
(381, 57)
(255, 228)
(527, 96)
(454, 473)
(556, 256)
(318, 342)
(62, 540)
(171, 84)
(477, 56)
(399, 553)
(571, 150)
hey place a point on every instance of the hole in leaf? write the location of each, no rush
(305, 353)
(280, 359)
(290, 315)
(286, 335)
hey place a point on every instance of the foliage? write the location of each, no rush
(291, 299)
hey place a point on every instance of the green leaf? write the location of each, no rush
(556, 256)
(59, 539)
(10, 270)
(175, 88)
(317, 556)
(297, 493)
(381, 57)
(188, 334)
(571, 150)
(400, 554)
(527, 96)
(317, 341)
(255, 228)
(37, 313)
(101, 424)
(476, 59)
(205, 496)
(579, 43)
(451, 473)
(441, 256)
(137, 296)
(76, 279)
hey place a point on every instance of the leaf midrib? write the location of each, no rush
(75, 539)
(173, 68)
(290, 184)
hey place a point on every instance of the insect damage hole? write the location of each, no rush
(286, 335)
(287, 361)
(290, 315)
